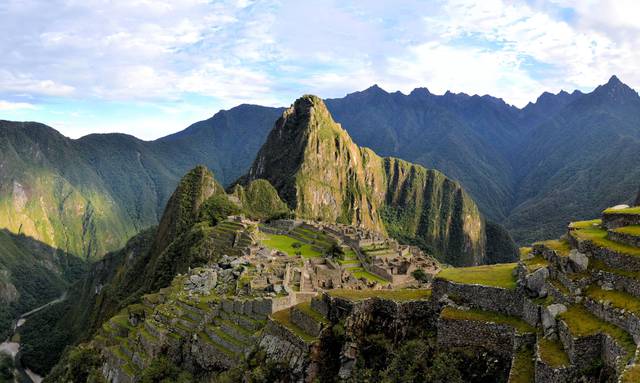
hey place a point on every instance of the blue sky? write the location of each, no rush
(150, 68)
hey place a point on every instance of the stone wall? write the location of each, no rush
(282, 345)
(531, 312)
(611, 258)
(613, 354)
(505, 301)
(628, 239)
(497, 338)
(547, 374)
(208, 356)
(620, 282)
(621, 318)
(306, 322)
(583, 352)
(614, 221)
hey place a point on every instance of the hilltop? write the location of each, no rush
(323, 175)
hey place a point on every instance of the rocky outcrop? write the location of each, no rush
(322, 174)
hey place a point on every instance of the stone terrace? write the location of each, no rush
(567, 306)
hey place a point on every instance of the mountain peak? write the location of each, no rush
(323, 175)
(420, 92)
(614, 80)
(615, 90)
(374, 89)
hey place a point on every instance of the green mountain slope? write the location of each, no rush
(322, 174)
(31, 274)
(579, 162)
(89, 196)
(184, 239)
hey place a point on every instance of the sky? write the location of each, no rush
(150, 68)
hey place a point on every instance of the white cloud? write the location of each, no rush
(271, 51)
(8, 105)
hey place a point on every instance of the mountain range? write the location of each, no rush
(531, 169)
(308, 168)
(565, 157)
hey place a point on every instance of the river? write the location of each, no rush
(22, 374)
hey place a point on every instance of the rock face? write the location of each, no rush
(322, 174)
(638, 199)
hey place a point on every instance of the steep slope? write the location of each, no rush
(465, 137)
(578, 162)
(322, 174)
(49, 193)
(31, 274)
(88, 196)
(226, 143)
(185, 238)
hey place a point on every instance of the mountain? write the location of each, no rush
(79, 199)
(638, 199)
(488, 146)
(185, 238)
(323, 175)
(578, 162)
(31, 274)
(89, 196)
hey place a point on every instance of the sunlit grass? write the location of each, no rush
(499, 275)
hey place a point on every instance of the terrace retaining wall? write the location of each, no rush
(614, 221)
(501, 300)
(583, 351)
(501, 339)
(611, 258)
(627, 239)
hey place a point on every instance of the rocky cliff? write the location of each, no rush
(323, 175)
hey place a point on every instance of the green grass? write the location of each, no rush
(486, 316)
(523, 367)
(399, 295)
(561, 247)
(629, 230)
(599, 238)
(227, 337)
(284, 243)
(618, 299)
(582, 323)
(305, 307)
(552, 353)
(585, 224)
(525, 251)
(535, 263)
(122, 320)
(631, 210)
(350, 254)
(348, 262)
(546, 301)
(369, 276)
(499, 275)
(284, 317)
